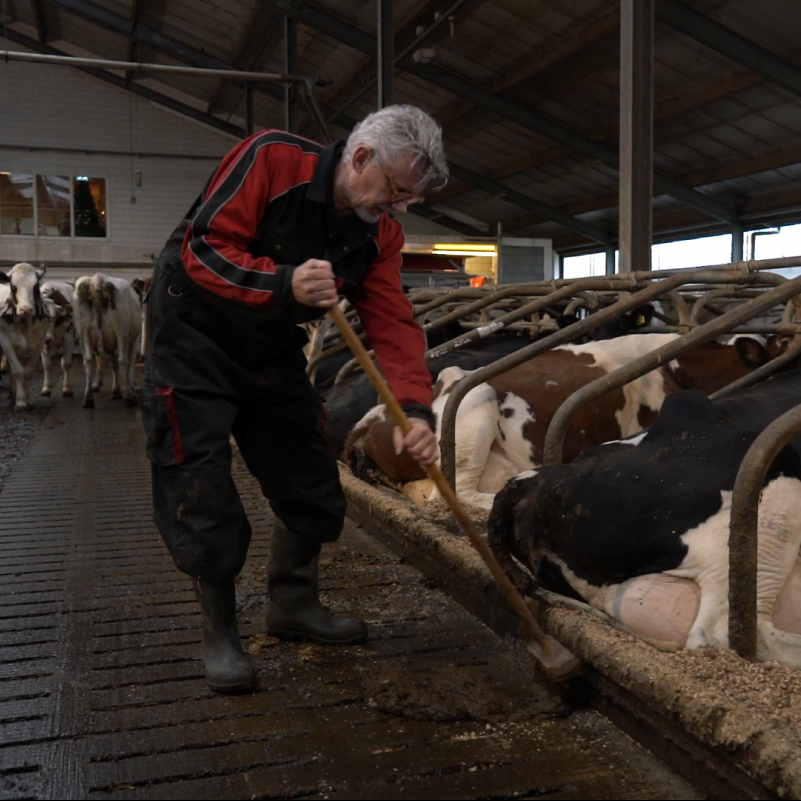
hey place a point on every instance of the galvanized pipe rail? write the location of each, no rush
(505, 321)
(485, 329)
(743, 530)
(655, 290)
(486, 296)
(418, 311)
(554, 438)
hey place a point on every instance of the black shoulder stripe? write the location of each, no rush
(211, 259)
(242, 277)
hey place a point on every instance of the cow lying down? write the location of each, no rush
(639, 528)
(501, 424)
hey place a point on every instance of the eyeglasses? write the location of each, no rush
(400, 195)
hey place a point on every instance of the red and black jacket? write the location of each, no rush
(269, 208)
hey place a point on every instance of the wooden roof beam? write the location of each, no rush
(133, 42)
(450, 82)
(133, 87)
(730, 44)
(677, 223)
(541, 60)
(775, 160)
(39, 20)
(263, 33)
(174, 48)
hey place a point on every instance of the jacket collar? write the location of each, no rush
(321, 186)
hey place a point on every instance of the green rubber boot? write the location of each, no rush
(228, 670)
(294, 611)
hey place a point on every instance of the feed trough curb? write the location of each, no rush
(709, 733)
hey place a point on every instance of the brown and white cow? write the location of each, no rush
(501, 424)
(24, 320)
(61, 338)
(108, 317)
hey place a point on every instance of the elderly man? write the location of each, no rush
(283, 228)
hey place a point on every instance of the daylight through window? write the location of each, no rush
(52, 205)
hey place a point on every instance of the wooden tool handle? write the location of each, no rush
(435, 474)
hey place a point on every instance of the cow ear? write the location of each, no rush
(139, 285)
(751, 351)
(40, 271)
(642, 316)
(564, 320)
(776, 345)
(4, 279)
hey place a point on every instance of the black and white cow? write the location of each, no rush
(24, 320)
(639, 527)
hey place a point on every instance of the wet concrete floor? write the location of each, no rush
(101, 686)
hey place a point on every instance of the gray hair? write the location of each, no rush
(402, 130)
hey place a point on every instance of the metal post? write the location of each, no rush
(290, 63)
(249, 127)
(386, 54)
(499, 255)
(636, 133)
(610, 259)
(737, 237)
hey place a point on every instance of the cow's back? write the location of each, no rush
(107, 310)
(547, 381)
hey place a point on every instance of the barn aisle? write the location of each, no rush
(101, 687)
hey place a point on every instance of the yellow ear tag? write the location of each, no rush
(640, 319)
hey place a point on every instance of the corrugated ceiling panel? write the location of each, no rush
(709, 110)
(93, 39)
(773, 24)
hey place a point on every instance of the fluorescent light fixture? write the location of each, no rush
(486, 253)
(463, 249)
(463, 246)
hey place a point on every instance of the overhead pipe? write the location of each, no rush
(136, 66)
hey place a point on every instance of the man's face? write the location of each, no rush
(379, 188)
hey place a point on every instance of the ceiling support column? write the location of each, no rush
(737, 237)
(386, 54)
(290, 68)
(610, 258)
(249, 127)
(636, 133)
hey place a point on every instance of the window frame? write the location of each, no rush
(72, 177)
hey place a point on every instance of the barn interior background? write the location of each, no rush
(584, 137)
(529, 95)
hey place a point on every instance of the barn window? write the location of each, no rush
(16, 203)
(52, 205)
(53, 202)
(89, 203)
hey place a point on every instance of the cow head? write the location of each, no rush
(370, 453)
(620, 326)
(24, 297)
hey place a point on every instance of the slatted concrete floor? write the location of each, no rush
(101, 688)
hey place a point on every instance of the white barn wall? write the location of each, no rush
(52, 107)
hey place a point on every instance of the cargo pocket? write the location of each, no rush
(160, 421)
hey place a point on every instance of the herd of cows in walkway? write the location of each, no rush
(634, 522)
